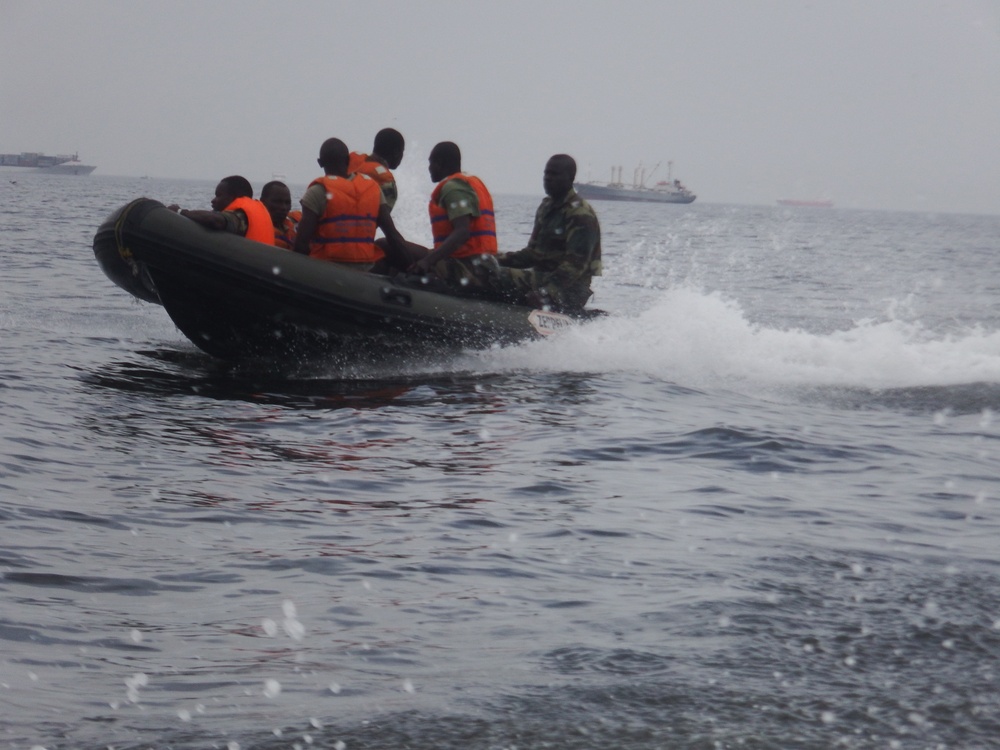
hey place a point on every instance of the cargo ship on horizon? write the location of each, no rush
(665, 191)
(44, 164)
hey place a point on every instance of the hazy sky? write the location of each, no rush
(873, 103)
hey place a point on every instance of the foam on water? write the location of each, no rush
(700, 339)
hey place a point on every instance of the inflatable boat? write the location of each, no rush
(238, 299)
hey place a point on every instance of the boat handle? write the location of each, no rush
(396, 296)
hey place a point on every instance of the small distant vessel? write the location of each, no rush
(822, 203)
(665, 191)
(45, 164)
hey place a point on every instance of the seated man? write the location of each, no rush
(277, 198)
(564, 251)
(340, 213)
(386, 155)
(234, 210)
(462, 223)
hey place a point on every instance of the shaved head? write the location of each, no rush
(445, 159)
(388, 140)
(389, 145)
(333, 156)
(238, 186)
(557, 179)
(447, 153)
(566, 162)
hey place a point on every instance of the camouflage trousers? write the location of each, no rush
(474, 272)
(481, 275)
(515, 284)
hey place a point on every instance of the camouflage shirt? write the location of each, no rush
(236, 222)
(565, 246)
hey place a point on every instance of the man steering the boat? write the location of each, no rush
(234, 210)
(563, 253)
(340, 213)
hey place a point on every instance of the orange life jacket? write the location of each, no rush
(361, 164)
(346, 230)
(482, 229)
(259, 225)
(284, 236)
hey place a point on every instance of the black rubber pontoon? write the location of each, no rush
(238, 299)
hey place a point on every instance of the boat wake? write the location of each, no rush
(699, 339)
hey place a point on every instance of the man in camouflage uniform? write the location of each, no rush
(462, 224)
(564, 251)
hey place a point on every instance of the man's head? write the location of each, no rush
(389, 145)
(277, 198)
(560, 171)
(445, 160)
(229, 189)
(334, 156)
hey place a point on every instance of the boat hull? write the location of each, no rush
(67, 168)
(38, 163)
(592, 191)
(10, 171)
(237, 299)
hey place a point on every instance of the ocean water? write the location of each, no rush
(756, 506)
